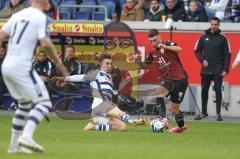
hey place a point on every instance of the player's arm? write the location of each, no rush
(143, 64)
(90, 76)
(170, 46)
(50, 50)
(175, 49)
(47, 45)
(75, 78)
(3, 37)
(5, 31)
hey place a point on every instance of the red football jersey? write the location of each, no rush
(167, 63)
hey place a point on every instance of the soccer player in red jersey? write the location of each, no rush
(173, 78)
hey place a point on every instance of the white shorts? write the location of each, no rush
(100, 109)
(25, 86)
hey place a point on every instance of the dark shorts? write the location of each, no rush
(177, 89)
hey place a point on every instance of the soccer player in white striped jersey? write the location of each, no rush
(24, 30)
(106, 116)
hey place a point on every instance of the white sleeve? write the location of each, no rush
(43, 30)
(220, 6)
(237, 59)
(75, 78)
(7, 26)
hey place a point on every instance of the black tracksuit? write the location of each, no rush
(214, 48)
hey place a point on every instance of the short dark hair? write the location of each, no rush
(216, 19)
(152, 33)
(104, 56)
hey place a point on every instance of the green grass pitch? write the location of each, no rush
(66, 140)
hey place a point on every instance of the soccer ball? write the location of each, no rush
(156, 125)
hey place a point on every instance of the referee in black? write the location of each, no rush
(212, 51)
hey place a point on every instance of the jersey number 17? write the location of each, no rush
(19, 29)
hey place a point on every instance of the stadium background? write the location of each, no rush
(88, 39)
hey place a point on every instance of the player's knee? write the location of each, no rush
(25, 106)
(174, 112)
(123, 127)
(44, 107)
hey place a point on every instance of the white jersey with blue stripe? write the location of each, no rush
(100, 82)
(102, 86)
(25, 29)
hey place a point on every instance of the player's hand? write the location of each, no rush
(58, 82)
(234, 65)
(205, 63)
(115, 92)
(224, 73)
(61, 79)
(162, 46)
(137, 58)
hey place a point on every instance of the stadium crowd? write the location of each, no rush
(134, 10)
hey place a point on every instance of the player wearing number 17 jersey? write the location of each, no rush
(24, 30)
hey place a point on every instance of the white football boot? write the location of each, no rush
(20, 149)
(30, 144)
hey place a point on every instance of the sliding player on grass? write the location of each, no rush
(106, 116)
(173, 78)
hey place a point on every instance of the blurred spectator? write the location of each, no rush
(228, 12)
(2, 85)
(133, 11)
(216, 8)
(195, 13)
(174, 10)
(235, 11)
(11, 8)
(52, 12)
(72, 64)
(200, 2)
(148, 2)
(154, 13)
(43, 66)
